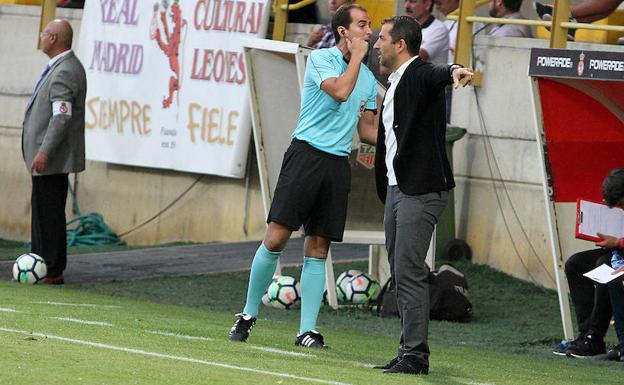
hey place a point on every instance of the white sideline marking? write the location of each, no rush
(279, 351)
(161, 333)
(261, 348)
(172, 357)
(9, 310)
(82, 321)
(361, 364)
(74, 304)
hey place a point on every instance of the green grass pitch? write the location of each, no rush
(174, 331)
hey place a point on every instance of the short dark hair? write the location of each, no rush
(408, 29)
(613, 187)
(342, 18)
(513, 5)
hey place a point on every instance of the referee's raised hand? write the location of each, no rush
(357, 46)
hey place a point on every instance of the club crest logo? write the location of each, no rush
(63, 108)
(169, 41)
(366, 155)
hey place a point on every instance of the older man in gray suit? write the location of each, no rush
(53, 144)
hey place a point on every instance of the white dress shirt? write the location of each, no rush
(435, 40)
(388, 120)
(58, 57)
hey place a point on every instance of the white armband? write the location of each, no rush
(61, 108)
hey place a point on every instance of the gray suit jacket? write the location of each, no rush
(60, 137)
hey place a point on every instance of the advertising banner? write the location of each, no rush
(574, 64)
(166, 82)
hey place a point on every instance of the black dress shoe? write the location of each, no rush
(409, 366)
(389, 364)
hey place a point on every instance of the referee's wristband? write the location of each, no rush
(452, 68)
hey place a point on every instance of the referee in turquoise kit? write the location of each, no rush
(339, 93)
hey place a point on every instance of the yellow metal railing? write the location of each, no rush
(298, 5)
(559, 26)
(595, 27)
(559, 35)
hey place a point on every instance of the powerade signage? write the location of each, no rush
(565, 63)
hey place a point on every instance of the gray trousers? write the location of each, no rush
(409, 221)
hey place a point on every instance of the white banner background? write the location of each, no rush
(206, 128)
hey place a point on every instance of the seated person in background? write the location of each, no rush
(508, 9)
(613, 193)
(435, 36)
(445, 7)
(323, 37)
(592, 306)
(586, 11)
(592, 301)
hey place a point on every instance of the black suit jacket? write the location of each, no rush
(420, 165)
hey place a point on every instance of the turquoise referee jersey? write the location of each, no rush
(324, 122)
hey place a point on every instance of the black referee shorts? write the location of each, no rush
(312, 190)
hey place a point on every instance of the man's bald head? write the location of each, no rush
(57, 37)
(63, 31)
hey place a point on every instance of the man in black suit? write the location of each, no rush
(413, 176)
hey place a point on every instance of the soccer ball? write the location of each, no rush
(342, 282)
(361, 289)
(284, 293)
(29, 268)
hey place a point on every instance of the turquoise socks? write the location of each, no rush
(262, 270)
(312, 287)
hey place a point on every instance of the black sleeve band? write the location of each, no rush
(452, 68)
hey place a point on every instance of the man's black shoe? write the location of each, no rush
(587, 346)
(389, 364)
(617, 353)
(242, 327)
(311, 339)
(564, 345)
(409, 366)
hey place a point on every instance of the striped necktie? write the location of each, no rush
(43, 74)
